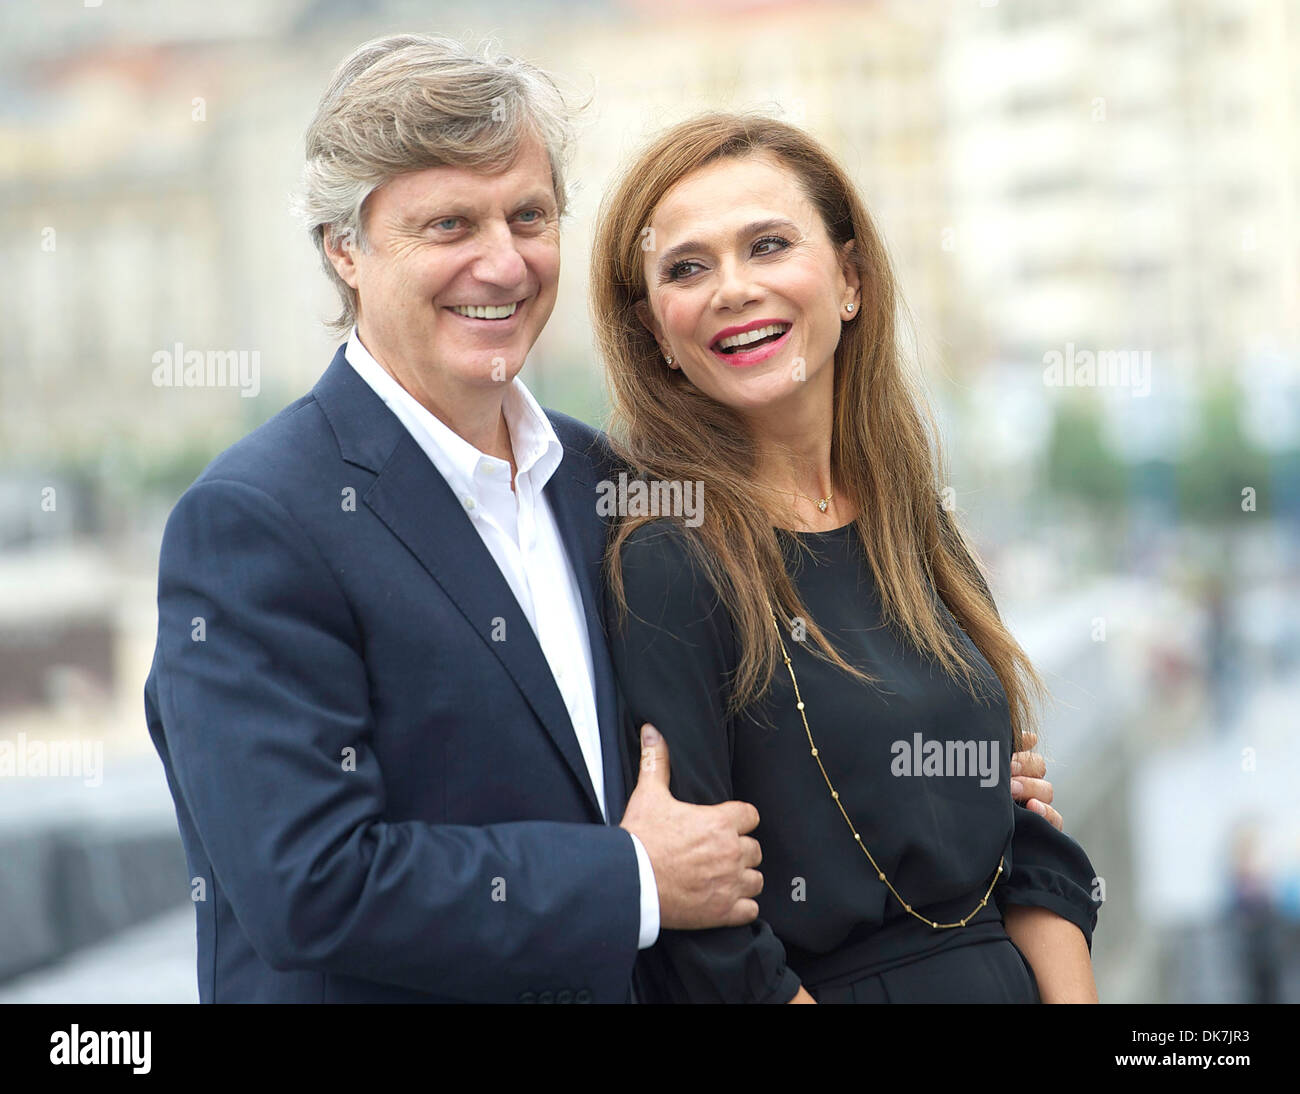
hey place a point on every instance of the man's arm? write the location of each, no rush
(264, 696)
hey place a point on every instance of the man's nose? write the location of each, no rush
(499, 262)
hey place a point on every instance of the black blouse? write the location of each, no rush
(937, 817)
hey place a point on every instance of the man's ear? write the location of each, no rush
(849, 271)
(340, 249)
(648, 320)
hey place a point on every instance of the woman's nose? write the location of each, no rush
(735, 288)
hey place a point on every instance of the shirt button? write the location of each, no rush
(469, 503)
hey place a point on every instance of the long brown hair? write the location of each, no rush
(665, 428)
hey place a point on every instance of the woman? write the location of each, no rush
(817, 639)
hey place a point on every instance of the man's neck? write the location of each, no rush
(481, 422)
(476, 415)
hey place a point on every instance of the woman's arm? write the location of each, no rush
(674, 656)
(1057, 952)
(1049, 903)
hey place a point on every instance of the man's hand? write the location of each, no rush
(704, 864)
(1028, 784)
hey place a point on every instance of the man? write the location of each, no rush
(381, 691)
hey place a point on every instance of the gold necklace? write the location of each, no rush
(835, 796)
(821, 503)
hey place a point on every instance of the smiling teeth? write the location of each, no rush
(755, 335)
(479, 311)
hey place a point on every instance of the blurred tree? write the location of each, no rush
(1080, 463)
(1221, 459)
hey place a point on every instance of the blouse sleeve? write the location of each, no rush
(673, 654)
(1049, 870)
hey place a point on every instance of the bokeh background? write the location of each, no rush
(1054, 179)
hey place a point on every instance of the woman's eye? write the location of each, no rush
(768, 244)
(678, 270)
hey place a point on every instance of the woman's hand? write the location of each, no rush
(1028, 784)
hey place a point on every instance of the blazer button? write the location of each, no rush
(565, 996)
(546, 997)
(582, 996)
(527, 997)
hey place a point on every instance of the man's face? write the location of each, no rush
(460, 275)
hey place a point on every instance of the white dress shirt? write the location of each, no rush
(519, 531)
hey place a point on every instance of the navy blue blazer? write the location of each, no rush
(379, 790)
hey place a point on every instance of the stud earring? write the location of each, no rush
(668, 358)
(848, 307)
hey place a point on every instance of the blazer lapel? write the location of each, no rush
(421, 510)
(571, 492)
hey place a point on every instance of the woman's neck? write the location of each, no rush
(794, 472)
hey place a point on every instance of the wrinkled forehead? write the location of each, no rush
(451, 190)
(731, 190)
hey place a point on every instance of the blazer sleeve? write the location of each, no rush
(261, 687)
(674, 655)
(1049, 870)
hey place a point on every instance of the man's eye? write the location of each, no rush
(446, 224)
(531, 216)
(770, 244)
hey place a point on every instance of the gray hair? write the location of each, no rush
(407, 102)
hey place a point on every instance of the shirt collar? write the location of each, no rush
(537, 449)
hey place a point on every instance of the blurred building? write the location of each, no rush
(1125, 178)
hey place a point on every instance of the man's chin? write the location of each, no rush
(494, 368)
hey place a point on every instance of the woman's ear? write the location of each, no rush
(852, 281)
(648, 320)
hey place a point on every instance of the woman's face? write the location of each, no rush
(746, 291)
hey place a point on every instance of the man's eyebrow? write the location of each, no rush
(537, 197)
(427, 214)
(753, 228)
(434, 211)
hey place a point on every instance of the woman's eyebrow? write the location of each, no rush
(669, 256)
